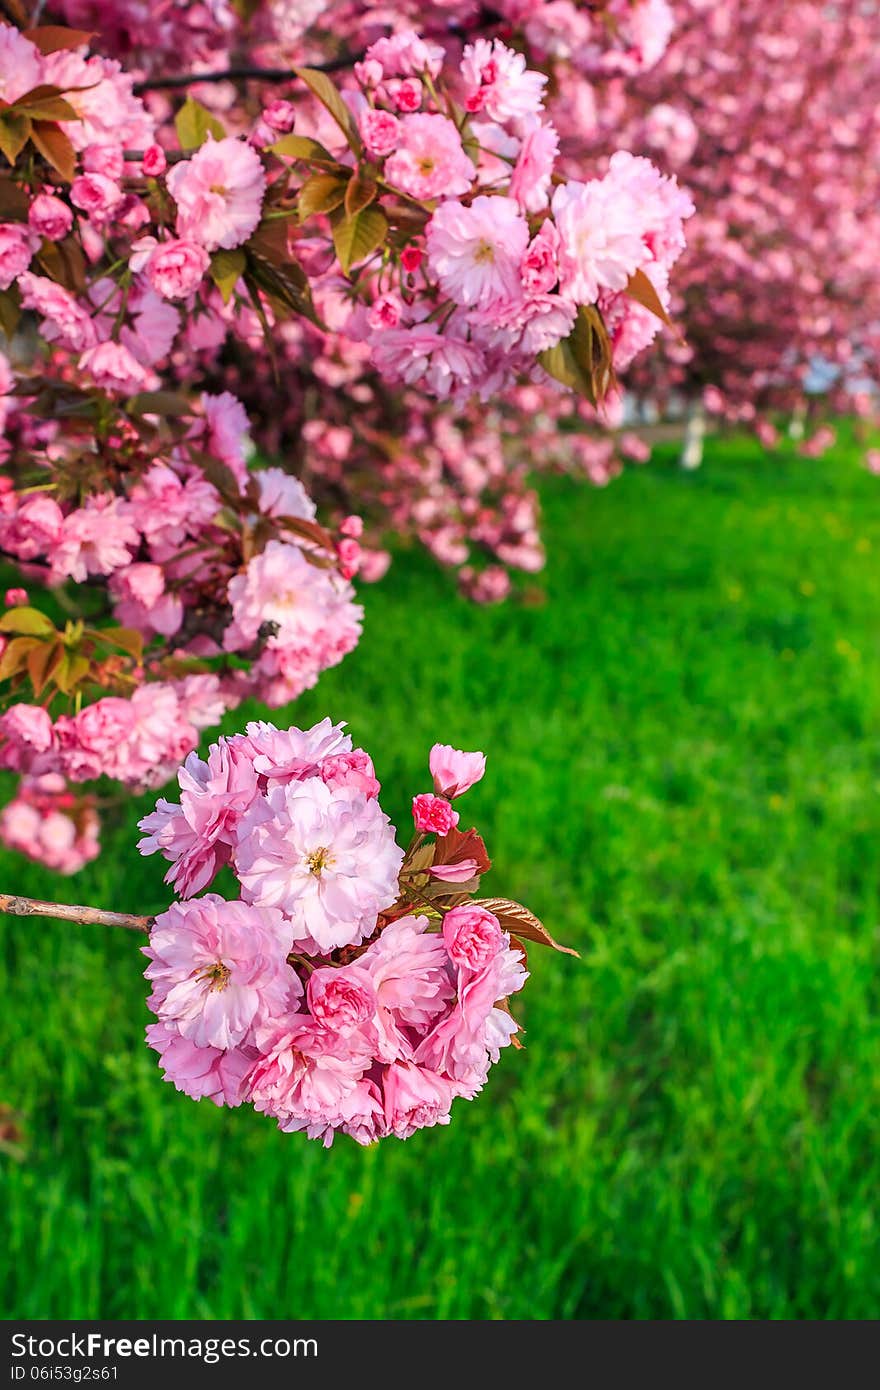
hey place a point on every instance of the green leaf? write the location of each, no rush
(27, 620)
(14, 658)
(45, 103)
(641, 289)
(10, 311)
(194, 123)
(163, 403)
(70, 671)
(356, 238)
(55, 148)
(303, 147)
(582, 361)
(127, 638)
(227, 268)
(320, 193)
(328, 95)
(15, 131)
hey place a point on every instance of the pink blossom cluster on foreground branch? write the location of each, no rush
(344, 258)
(352, 987)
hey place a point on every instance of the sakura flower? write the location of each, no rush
(203, 1073)
(219, 193)
(174, 268)
(475, 251)
(341, 999)
(49, 217)
(21, 67)
(326, 858)
(115, 368)
(455, 772)
(497, 81)
(600, 238)
(96, 539)
(473, 936)
(218, 969)
(429, 161)
(433, 814)
(17, 246)
(532, 174)
(414, 1098)
(198, 834)
(66, 322)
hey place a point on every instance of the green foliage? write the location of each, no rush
(683, 784)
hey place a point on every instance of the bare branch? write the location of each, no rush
(86, 916)
(239, 73)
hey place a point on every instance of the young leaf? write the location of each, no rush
(227, 268)
(45, 104)
(15, 131)
(52, 38)
(15, 656)
(361, 191)
(127, 638)
(518, 919)
(10, 311)
(320, 193)
(41, 662)
(304, 147)
(356, 238)
(194, 123)
(326, 92)
(71, 669)
(55, 148)
(582, 361)
(29, 621)
(458, 845)
(64, 262)
(641, 289)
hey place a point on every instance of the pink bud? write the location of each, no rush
(49, 217)
(15, 597)
(154, 162)
(433, 815)
(411, 258)
(352, 526)
(280, 115)
(349, 558)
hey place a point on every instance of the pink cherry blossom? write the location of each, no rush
(429, 161)
(218, 970)
(475, 251)
(455, 772)
(219, 193)
(433, 815)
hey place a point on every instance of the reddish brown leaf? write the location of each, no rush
(51, 38)
(516, 918)
(640, 288)
(55, 147)
(458, 845)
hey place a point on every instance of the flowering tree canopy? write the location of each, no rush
(354, 245)
(768, 111)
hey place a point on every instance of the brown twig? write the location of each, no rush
(239, 73)
(91, 916)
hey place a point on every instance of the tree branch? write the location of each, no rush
(240, 73)
(91, 916)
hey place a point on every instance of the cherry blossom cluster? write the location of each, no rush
(352, 987)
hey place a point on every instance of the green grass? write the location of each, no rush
(683, 781)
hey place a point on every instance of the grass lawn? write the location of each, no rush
(683, 782)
